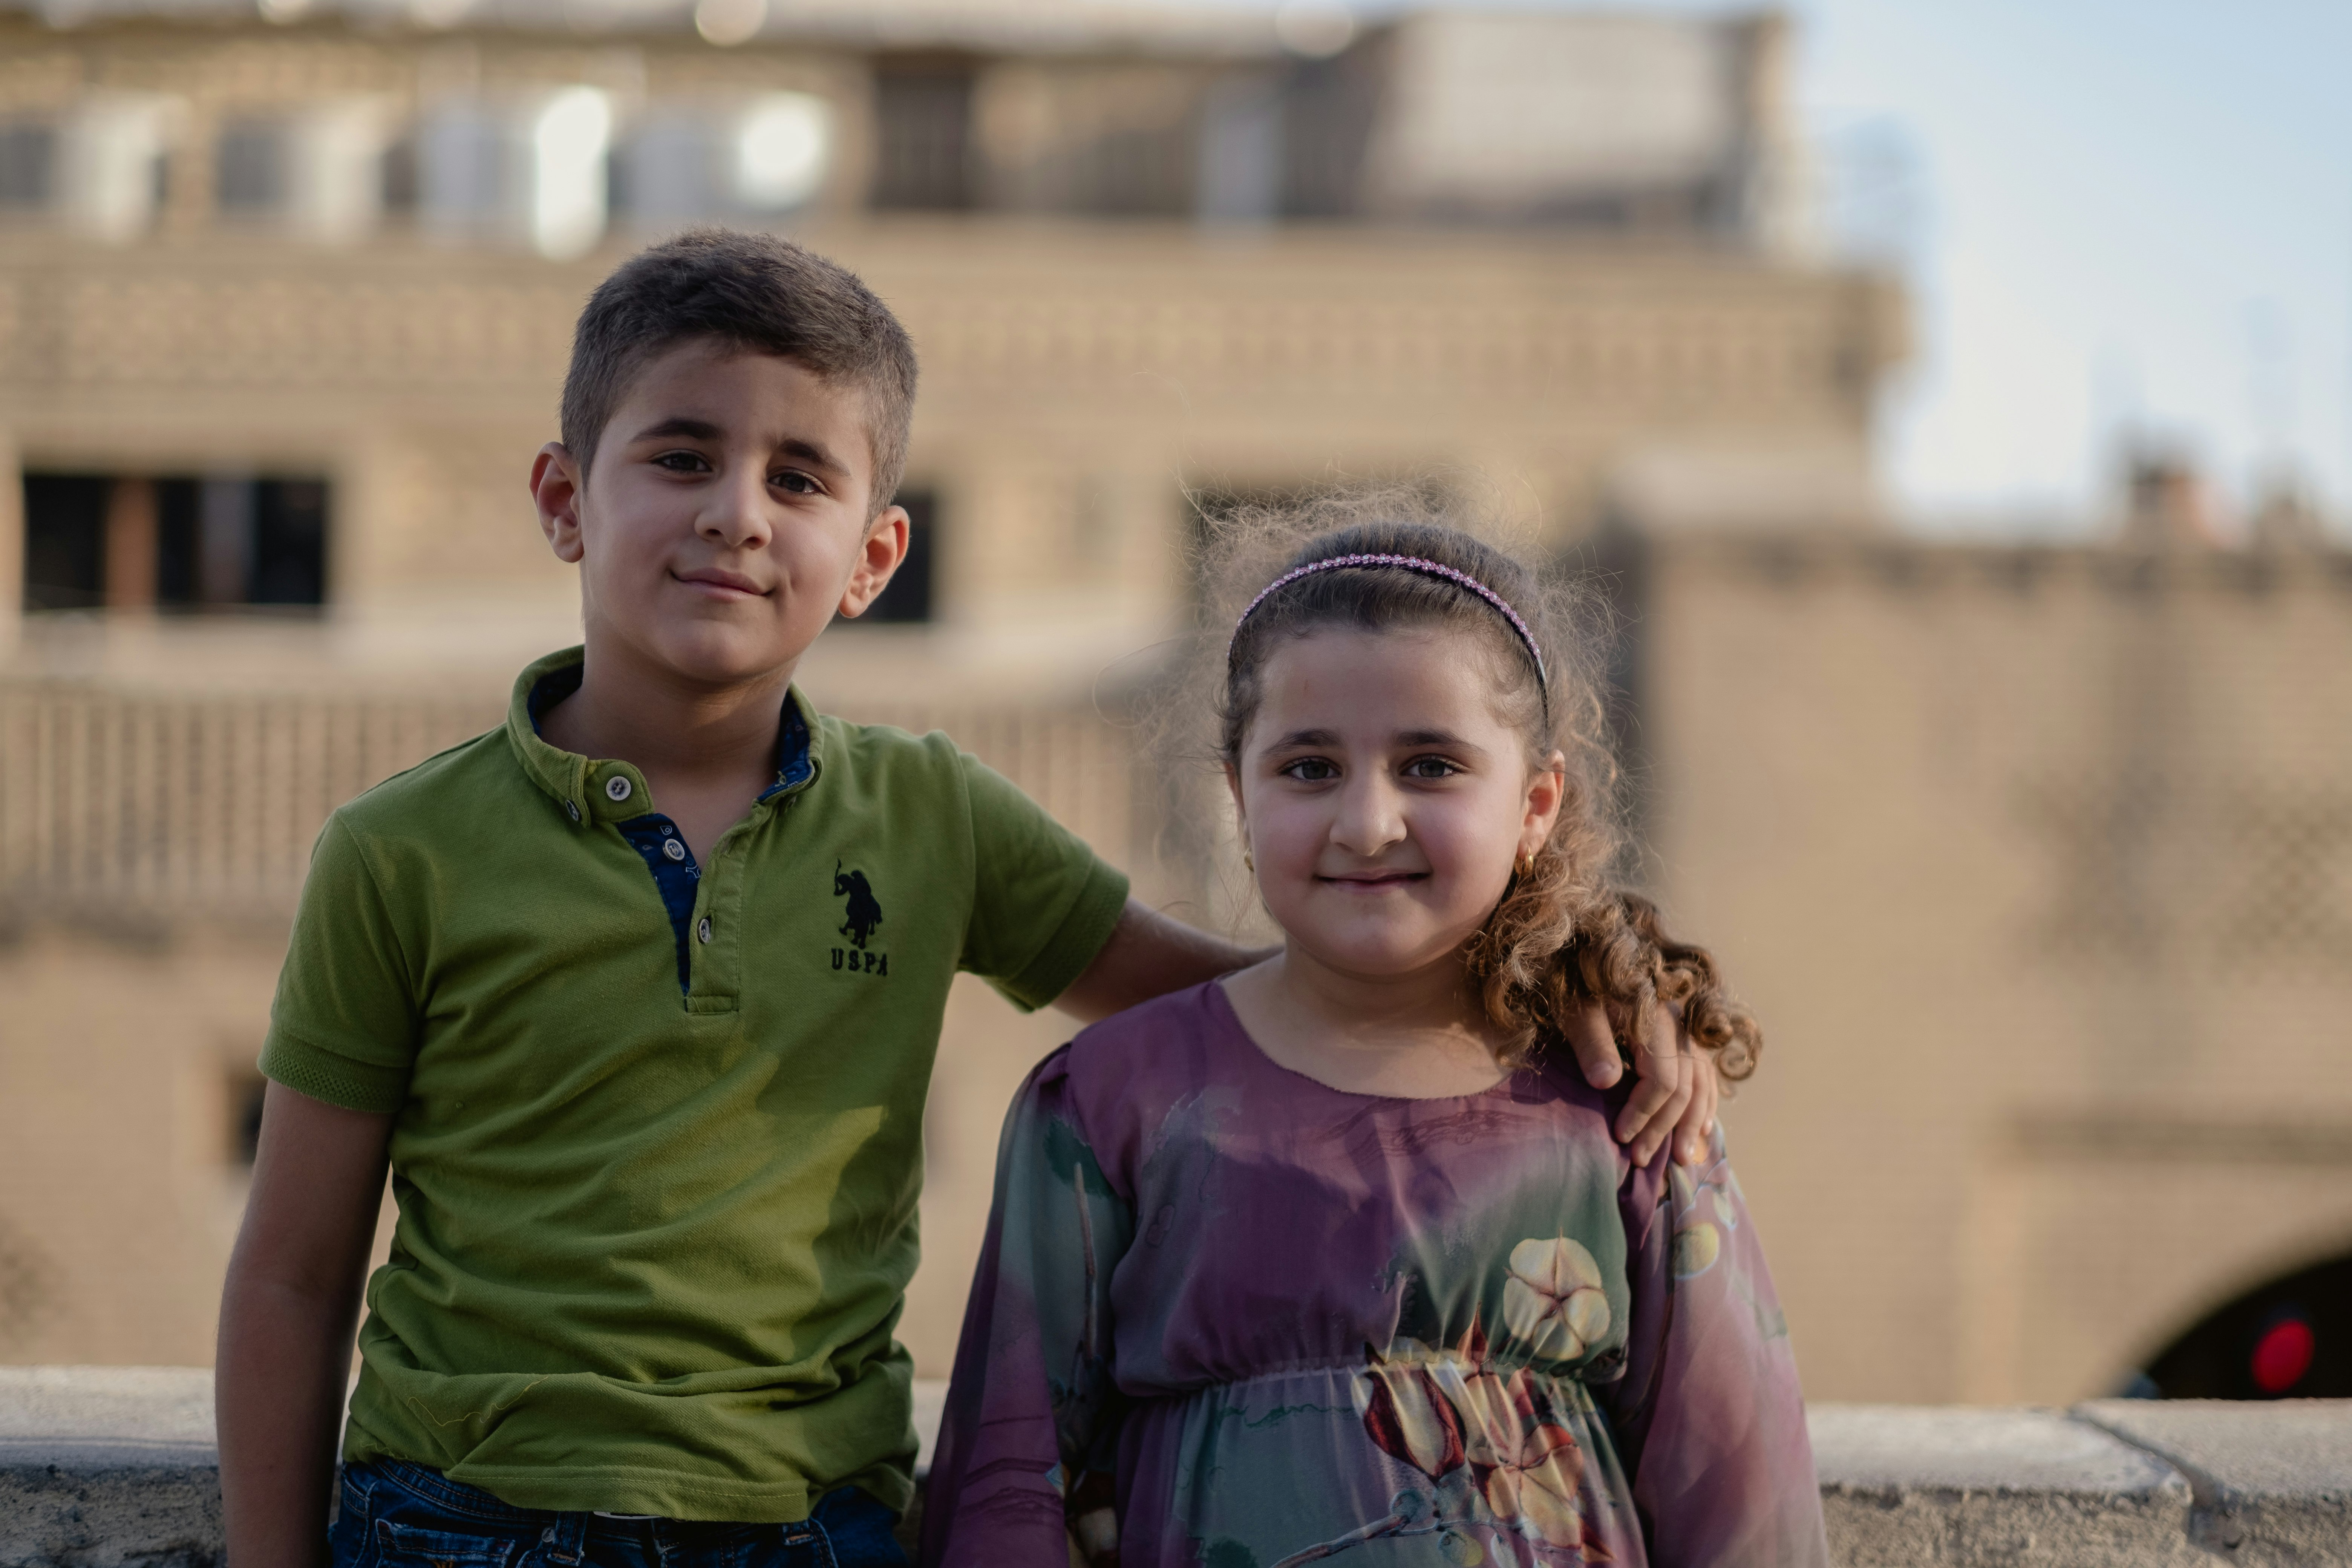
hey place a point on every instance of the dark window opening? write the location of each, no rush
(908, 599)
(250, 174)
(923, 136)
(397, 172)
(1137, 172)
(288, 565)
(29, 160)
(1329, 109)
(2291, 1339)
(65, 541)
(135, 542)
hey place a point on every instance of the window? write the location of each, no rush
(908, 599)
(532, 169)
(134, 543)
(923, 136)
(782, 149)
(249, 173)
(759, 158)
(29, 160)
(65, 538)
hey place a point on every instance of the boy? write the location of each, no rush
(656, 1153)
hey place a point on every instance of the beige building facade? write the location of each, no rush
(1961, 819)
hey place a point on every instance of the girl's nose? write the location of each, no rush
(1370, 817)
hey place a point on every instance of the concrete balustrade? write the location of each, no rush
(106, 1466)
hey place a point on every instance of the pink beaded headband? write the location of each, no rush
(1409, 563)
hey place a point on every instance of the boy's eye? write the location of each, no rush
(682, 462)
(792, 482)
(1310, 770)
(1430, 768)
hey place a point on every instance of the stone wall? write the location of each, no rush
(2036, 864)
(101, 1466)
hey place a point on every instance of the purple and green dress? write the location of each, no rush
(1228, 1315)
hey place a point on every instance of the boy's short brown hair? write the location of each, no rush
(758, 292)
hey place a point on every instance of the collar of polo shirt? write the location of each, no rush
(590, 790)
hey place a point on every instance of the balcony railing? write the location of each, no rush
(156, 806)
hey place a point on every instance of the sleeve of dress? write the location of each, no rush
(1709, 1419)
(1028, 1447)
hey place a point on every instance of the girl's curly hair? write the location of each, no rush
(1565, 929)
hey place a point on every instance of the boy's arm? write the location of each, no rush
(1148, 954)
(287, 1316)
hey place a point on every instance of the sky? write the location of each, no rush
(2123, 219)
(2130, 217)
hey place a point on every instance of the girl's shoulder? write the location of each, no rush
(1118, 1080)
(1165, 1043)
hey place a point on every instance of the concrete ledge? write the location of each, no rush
(108, 1466)
(103, 1467)
(1904, 1485)
(2272, 1482)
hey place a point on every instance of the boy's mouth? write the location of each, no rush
(720, 583)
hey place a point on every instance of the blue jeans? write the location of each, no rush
(403, 1516)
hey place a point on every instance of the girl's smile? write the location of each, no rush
(1383, 798)
(1375, 881)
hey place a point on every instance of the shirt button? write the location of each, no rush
(703, 930)
(617, 787)
(572, 806)
(673, 848)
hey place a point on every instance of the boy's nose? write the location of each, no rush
(738, 516)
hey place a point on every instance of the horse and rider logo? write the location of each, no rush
(862, 912)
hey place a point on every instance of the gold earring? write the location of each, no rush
(1525, 864)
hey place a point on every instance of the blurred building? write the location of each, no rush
(285, 297)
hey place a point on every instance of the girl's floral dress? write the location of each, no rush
(1228, 1315)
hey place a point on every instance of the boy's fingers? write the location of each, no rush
(1595, 1046)
(1649, 1117)
(1695, 1134)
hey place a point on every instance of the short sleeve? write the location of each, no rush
(1043, 903)
(344, 1026)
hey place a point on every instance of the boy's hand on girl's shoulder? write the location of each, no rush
(1678, 1091)
(1150, 954)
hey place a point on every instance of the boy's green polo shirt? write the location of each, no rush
(652, 1239)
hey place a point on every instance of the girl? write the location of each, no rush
(1337, 1255)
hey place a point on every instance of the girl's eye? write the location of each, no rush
(792, 482)
(1430, 768)
(1310, 770)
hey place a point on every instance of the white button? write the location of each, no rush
(618, 786)
(573, 807)
(703, 931)
(673, 848)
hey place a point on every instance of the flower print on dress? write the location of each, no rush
(1554, 1298)
(1499, 1462)
(1705, 1207)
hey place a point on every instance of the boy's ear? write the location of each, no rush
(555, 485)
(877, 558)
